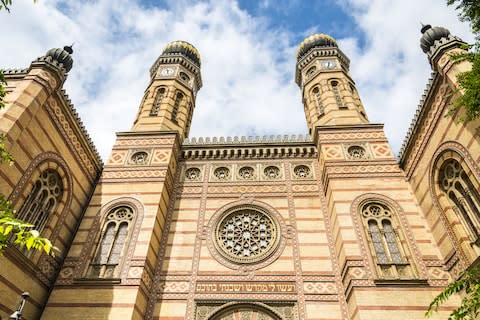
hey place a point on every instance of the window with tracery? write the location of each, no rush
(318, 101)
(385, 243)
(42, 200)
(461, 192)
(157, 102)
(176, 105)
(336, 92)
(246, 235)
(111, 247)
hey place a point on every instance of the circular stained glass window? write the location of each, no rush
(246, 236)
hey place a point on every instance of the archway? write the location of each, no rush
(245, 311)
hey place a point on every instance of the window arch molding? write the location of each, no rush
(95, 236)
(456, 151)
(41, 163)
(222, 310)
(406, 238)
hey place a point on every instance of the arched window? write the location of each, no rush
(318, 100)
(176, 105)
(112, 243)
(157, 102)
(384, 241)
(336, 92)
(43, 199)
(461, 192)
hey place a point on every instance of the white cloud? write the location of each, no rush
(247, 68)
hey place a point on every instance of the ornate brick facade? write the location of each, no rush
(329, 226)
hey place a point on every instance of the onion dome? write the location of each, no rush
(430, 35)
(62, 56)
(182, 47)
(318, 40)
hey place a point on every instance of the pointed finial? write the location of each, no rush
(69, 48)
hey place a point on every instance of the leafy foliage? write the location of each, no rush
(22, 233)
(5, 4)
(469, 82)
(469, 12)
(467, 283)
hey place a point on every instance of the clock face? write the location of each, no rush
(328, 64)
(167, 71)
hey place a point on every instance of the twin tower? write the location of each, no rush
(322, 72)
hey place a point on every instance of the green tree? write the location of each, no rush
(467, 284)
(5, 4)
(469, 82)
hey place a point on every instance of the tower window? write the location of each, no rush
(311, 71)
(111, 246)
(384, 239)
(43, 199)
(157, 102)
(184, 77)
(338, 97)
(176, 105)
(461, 192)
(318, 101)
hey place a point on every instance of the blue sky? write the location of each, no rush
(248, 57)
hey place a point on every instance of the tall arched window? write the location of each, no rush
(157, 102)
(384, 240)
(43, 199)
(318, 100)
(112, 243)
(336, 92)
(461, 192)
(176, 105)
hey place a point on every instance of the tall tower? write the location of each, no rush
(170, 97)
(328, 91)
(115, 251)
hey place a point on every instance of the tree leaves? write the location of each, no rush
(467, 284)
(20, 232)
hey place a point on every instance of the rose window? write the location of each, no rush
(272, 172)
(139, 157)
(221, 173)
(356, 152)
(192, 174)
(246, 236)
(302, 171)
(246, 173)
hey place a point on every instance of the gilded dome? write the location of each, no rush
(62, 56)
(315, 41)
(430, 35)
(182, 47)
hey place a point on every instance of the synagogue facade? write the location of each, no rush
(328, 226)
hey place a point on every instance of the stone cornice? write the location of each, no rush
(266, 147)
(417, 119)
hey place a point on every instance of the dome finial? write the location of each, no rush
(430, 35)
(62, 56)
(69, 48)
(183, 48)
(425, 27)
(315, 41)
